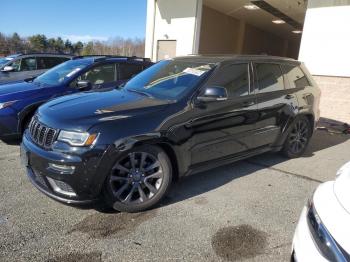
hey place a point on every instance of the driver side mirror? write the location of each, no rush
(84, 85)
(213, 93)
(7, 69)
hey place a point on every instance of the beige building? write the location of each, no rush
(316, 32)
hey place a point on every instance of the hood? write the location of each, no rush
(17, 87)
(82, 110)
(342, 186)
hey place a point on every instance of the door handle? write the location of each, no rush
(289, 96)
(248, 103)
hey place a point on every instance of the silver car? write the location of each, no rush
(19, 67)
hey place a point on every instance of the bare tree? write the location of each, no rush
(40, 43)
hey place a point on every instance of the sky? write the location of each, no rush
(76, 20)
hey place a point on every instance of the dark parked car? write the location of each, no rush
(176, 118)
(20, 67)
(18, 101)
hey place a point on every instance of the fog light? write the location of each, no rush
(62, 169)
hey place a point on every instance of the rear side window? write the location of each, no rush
(235, 79)
(270, 77)
(48, 62)
(127, 71)
(296, 76)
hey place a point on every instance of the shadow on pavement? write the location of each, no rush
(198, 184)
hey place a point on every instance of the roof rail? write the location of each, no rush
(103, 57)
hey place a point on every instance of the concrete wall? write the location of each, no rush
(219, 32)
(325, 45)
(335, 97)
(173, 20)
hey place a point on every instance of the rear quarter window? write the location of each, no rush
(295, 76)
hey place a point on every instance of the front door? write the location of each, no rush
(225, 128)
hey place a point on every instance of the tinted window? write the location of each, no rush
(127, 71)
(100, 74)
(270, 77)
(296, 77)
(48, 62)
(28, 64)
(169, 79)
(235, 79)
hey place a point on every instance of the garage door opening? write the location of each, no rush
(271, 27)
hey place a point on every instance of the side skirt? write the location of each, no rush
(197, 168)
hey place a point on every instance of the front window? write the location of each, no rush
(169, 79)
(16, 65)
(62, 72)
(100, 76)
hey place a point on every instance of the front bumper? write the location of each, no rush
(81, 187)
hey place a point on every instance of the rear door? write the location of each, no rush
(276, 103)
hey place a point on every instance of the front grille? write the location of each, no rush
(42, 135)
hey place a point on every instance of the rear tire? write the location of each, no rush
(298, 138)
(138, 180)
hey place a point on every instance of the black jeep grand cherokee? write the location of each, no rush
(176, 118)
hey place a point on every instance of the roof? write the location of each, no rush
(41, 54)
(232, 57)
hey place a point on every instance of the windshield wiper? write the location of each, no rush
(140, 92)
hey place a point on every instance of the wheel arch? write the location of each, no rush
(155, 140)
(25, 114)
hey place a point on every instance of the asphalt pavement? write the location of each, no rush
(243, 211)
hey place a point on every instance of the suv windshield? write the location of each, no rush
(62, 72)
(169, 79)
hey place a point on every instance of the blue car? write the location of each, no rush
(19, 101)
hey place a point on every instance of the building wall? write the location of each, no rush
(326, 38)
(219, 32)
(172, 20)
(335, 97)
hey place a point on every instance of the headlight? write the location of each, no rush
(7, 104)
(77, 138)
(325, 243)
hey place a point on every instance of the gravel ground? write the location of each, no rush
(246, 210)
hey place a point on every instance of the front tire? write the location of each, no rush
(298, 138)
(139, 179)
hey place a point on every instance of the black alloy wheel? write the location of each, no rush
(139, 179)
(298, 138)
